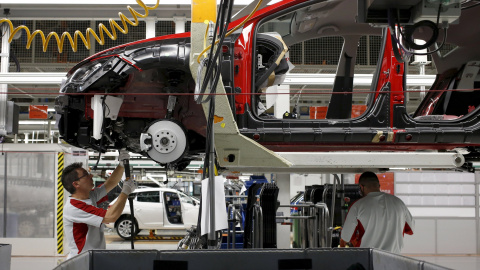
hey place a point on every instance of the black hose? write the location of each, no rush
(213, 65)
(409, 30)
(15, 59)
(131, 196)
(132, 220)
(407, 35)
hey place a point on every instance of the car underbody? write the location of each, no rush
(151, 84)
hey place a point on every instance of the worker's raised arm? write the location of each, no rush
(115, 210)
(117, 174)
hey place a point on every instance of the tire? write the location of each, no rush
(122, 226)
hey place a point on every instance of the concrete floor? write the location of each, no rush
(115, 242)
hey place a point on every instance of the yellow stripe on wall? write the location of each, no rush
(204, 10)
(60, 164)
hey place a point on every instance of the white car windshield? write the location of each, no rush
(187, 199)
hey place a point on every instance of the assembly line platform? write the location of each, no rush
(246, 259)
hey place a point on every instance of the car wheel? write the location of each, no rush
(123, 227)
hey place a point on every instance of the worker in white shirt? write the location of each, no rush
(83, 219)
(378, 220)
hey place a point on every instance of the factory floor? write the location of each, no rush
(466, 262)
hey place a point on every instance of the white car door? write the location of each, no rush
(190, 209)
(148, 210)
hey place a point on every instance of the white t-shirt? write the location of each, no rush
(378, 220)
(82, 220)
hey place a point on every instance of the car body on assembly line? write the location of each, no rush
(158, 209)
(152, 87)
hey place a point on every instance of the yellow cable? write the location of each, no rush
(86, 40)
(231, 31)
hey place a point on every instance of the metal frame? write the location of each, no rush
(291, 79)
(345, 162)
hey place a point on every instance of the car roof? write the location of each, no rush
(145, 189)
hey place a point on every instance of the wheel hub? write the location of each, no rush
(165, 141)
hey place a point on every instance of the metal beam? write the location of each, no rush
(358, 79)
(32, 78)
(291, 79)
(354, 162)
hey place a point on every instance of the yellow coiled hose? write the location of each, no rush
(86, 40)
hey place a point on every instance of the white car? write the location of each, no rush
(158, 208)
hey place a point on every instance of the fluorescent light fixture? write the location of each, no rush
(32, 122)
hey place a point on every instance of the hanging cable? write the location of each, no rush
(15, 60)
(213, 63)
(233, 29)
(86, 39)
(401, 53)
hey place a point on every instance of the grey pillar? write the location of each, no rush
(5, 57)
(283, 231)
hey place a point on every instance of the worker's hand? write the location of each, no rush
(123, 155)
(128, 187)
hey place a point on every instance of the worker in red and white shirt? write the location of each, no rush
(378, 220)
(82, 219)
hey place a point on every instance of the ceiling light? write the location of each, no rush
(32, 122)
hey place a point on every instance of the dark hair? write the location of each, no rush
(70, 175)
(369, 179)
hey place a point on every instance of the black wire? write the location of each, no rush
(439, 47)
(391, 25)
(210, 61)
(166, 176)
(214, 63)
(409, 30)
(223, 21)
(408, 35)
(3, 34)
(438, 13)
(15, 59)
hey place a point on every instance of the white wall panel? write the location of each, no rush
(423, 240)
(32, 246)
(456, 236)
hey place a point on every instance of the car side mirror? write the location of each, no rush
(194, 203)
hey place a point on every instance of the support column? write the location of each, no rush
(5, 57)
(283, 231)
(204, 10)
(179, 24)
(150, 27)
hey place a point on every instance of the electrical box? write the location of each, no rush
(410, 11)
(376, 11)
(12, 118)
(429, 10)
